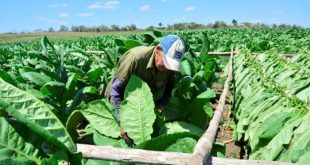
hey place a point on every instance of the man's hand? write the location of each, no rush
(127, 140)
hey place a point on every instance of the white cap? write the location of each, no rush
(173, 48)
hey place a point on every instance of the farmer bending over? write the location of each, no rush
(156, 65)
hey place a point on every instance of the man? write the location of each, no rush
(156, 65)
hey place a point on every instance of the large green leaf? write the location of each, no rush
(99, 162)
(94, 74)
(35, 114)
(3, 113)
(74, 119)
(17, 144)
(305, 158)
(36, 93)
(218, 150)
(70, 88)
(36, 78)
(58, 158)
(132, 43)
(181, 126)
(183, 87)
(5, 159)
(98, 114)
(7, 77)
(300, 147)
(186, 68)
(119, 41)
(54, 89)
(102, 140)
(137, 110)
(148, 38)
(185, 145)
(61, 157)
(75, 70)
(201, 114)
(270, 128)
(47, 70)
(304, 94)
(103, 162)
(208, 94)
(276, 145)
(45, 43)
(162, 142)
(90, 90)
(77, 99)
(157, 33)
(175, 110)
(205, 47)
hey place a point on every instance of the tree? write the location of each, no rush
(193, 25)
(63, 28)
(284, 26)
(247, 24)
(150, 28)
(38, 30)
(83, 28)
(234, 22)
(75, 29)
(103, 28)
(133, 27)
(274, 25)
(97, 29)
(94, 29)
(50, 29)
(210, 25)
(180, 26)
(216, 25)
(219, 24)
(262, 25)
(160, 25)
(115, 28)
(125, 28)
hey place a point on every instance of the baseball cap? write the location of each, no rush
(173, 48)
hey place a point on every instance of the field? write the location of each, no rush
(20, 37)
(52, 96)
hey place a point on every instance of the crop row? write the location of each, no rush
(284, 40)
(271, 106)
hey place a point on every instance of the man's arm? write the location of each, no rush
(125, 68)
(117, 95)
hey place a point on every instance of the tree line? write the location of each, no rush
(177, 26)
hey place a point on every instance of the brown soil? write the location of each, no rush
(225, 132)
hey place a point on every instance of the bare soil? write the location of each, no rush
(225, 132)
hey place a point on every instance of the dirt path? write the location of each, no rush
(225, 132)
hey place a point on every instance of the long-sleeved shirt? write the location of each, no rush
(141, 62)
(117, 94)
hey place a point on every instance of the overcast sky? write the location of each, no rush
(28, 15)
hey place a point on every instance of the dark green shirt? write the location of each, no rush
(141, 62)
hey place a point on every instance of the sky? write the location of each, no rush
(29, 15)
